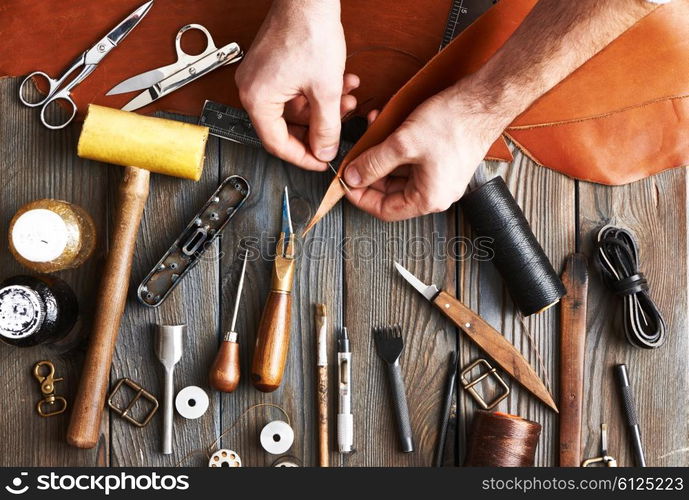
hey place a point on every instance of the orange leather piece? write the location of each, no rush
(387, 42)
(620, 117)
(612, 121)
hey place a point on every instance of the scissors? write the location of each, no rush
(161, 81)
(89, 59)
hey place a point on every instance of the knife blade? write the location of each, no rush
(485, 336)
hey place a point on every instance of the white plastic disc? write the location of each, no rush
(277, 437)
(191, 402)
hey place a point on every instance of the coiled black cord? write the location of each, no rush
(618, 257)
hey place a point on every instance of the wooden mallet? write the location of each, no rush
(142, 145)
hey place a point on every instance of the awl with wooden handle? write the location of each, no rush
(224, 373)
(483, 335)
(272, 339)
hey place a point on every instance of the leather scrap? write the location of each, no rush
(622, 116)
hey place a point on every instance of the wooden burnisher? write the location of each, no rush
(142, 145)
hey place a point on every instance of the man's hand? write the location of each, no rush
(426, 164)
(292, 81)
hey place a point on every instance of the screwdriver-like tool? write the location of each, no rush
(224, 374)
(272, 339)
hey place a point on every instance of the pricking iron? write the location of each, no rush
(187, 250)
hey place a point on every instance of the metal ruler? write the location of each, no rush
(462, 14)
(235, 125)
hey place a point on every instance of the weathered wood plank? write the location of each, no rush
(39, 163)
(318, 279)
(655, 211)
(548, 202)
(377, 295)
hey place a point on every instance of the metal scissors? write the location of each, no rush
(161, 81)
(89, 59)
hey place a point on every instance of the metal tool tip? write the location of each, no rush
(342, 334)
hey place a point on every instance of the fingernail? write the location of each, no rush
(352, 176)
(327, 154)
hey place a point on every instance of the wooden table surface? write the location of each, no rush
(347, 264)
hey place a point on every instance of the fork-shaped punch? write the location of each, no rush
(389, 344)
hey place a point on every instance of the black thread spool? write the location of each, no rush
(530, 278)
(501, 440)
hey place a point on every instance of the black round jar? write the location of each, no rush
(36, 310)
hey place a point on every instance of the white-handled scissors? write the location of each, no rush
(89, 59)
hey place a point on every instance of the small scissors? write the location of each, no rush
(89, 59)
(161, 81)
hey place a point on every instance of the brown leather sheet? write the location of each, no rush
(387, 40)
(620, 117)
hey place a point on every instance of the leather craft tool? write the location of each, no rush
(617, 255)
(604, 459)
(445, 413)
(234, 125)
(572, 354)
(321, 321)
(169, 344)
(59, 89)
(345, 419)
(389, 345)
(225, 370)
(188, 249)
(126, 411)
(528, 274)
(630, 416)
(49, 405)
(160, 82)
(483, 335)
(51, 235)
(191, 402)
(152, 144)
(501, 440)
(469, 385)
(272, 338)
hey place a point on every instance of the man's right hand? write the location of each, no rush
(292, 81)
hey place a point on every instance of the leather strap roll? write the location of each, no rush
(528, 274)
(618, 259)
(502, 440)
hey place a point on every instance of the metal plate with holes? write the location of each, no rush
(225, 458)
(187, 250)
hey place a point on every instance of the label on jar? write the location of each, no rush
(21, 312)
(40, 235)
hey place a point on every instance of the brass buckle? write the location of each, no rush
(490, 371)
(46, 406)
(140, 393)
(604, 459)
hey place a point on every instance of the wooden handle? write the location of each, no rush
(322, 397)
(88, 405)
(572, 348)
(224, 374)
(272, 342)
(495, 345)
